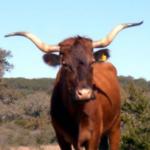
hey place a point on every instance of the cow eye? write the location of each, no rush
(81, 63)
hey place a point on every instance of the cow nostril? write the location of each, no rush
(84, 93)
(79, 92)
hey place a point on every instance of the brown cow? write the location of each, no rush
(85, 104)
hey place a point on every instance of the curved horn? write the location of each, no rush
(109, 38)
(41, 45)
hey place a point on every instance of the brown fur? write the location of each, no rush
(86, 124)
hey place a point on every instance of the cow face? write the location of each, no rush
(76, 57)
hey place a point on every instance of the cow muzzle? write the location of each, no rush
(85, 94)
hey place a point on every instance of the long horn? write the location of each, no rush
(41, 45)
(109, 38)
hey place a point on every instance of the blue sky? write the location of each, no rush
(54, 21)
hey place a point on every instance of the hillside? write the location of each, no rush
(24, 112)
(30, 84)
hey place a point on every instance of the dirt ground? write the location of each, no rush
(46, 147)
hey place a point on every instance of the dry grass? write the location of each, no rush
(45, 147)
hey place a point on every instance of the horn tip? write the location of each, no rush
(9, 34)
(141, 22)
(22, 33)
(133, 24)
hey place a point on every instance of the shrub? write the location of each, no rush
(36, 104)
(136, 120)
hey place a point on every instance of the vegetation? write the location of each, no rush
(4, 64)
(136, 119)
(24, 111)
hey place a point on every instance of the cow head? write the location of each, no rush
(76, 57)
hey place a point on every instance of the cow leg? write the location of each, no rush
(104, 143)
(90, 144)
(62, 143)
(114, 139)
(78, 148)
(93, 143)
(114, 136)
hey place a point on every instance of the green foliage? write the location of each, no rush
(4, 64)
(136, 120)
(43, 84)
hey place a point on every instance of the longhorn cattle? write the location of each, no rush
(85, 104)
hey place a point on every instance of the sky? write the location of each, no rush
(54, 20)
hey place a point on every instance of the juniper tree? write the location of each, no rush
(4, 64)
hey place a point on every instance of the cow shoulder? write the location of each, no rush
(105, 79)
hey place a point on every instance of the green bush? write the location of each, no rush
(136, 120)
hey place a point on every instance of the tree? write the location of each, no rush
(4, 64)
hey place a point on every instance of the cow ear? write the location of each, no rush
(102, 55)
(51, 59)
